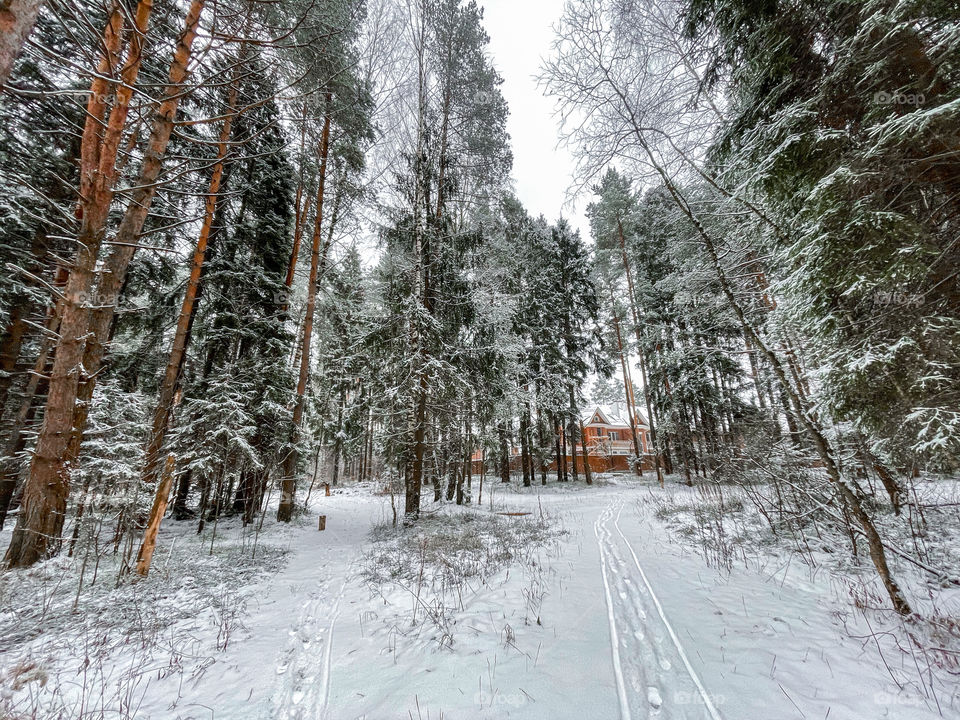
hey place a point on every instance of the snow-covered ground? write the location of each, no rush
(600, 613)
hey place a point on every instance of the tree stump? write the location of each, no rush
(322, 522)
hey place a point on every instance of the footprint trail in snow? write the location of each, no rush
(654, 676)
(302, 683)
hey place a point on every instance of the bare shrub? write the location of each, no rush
(446, 558)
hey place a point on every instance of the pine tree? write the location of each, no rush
(864, 194)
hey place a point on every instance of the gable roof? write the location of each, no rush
(615, 415)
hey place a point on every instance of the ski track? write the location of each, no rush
(302, 685)
(653, 674)
(328, 652)
(614, 636)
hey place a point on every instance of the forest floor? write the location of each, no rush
(563, 601)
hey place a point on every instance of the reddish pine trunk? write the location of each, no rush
(40, 524)
(171, 376)
(160, 500)
(174, 369)
(131, 225)
(17, 18)
(302, 211)
(563, 471)
(587, 470)
(571, 430)
(288, 484)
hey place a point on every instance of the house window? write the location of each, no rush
(614, 435)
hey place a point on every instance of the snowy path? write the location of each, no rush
(632, 626)
(304, 667)
(654, 675)
(278, 667)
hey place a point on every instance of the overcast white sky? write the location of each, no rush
(521, 32)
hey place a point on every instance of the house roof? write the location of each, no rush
(615, 415)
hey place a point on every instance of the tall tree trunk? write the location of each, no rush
(205, 484)
(628, 392)
(572, 432)
(587, 470)
(17, 18)
(442, 163)
(438, 467)
(288, 484)
(452, 452)
(170, 384)
(188, 308)
(180, 509)
(40, 523)
(114, 274)
(240, 498)
(558, 451)
(643, 370)
(467, 474)
(562, 433)
(668, 456)
(421, 208)
(542, 441)
(792, 428)
(415, 476)
(338, 440)
(160, 500)
(483, 472)
(531, 452)
(302, 210)
(504, 453)
(524, 449)
(368, 446)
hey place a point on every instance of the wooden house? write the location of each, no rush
(608, 435)
(609, 438)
